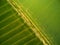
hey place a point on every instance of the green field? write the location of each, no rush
(15, 29)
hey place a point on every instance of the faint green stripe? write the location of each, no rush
(9, 24)
(15, 36)
(4, 5)
(2, 2)
(5, 11)
(30, 41)
(8, 17)
(11, 30)
(22, 39)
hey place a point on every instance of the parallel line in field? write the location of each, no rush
(22, 38)
(30, 41)
(8, 17)
(5, 11)
(4, 5)
(15, 35)
(11, 30)
(9, 24)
